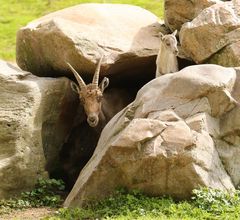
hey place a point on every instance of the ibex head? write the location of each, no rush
(170, 42)
(90, 95)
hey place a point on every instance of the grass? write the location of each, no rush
(47, 192)
(16, 13)
(206, 204)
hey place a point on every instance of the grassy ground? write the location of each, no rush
(206, 204)
(43, 203)
(16, 13)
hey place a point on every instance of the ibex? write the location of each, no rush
(90, 95)
(167, 56)
(99, 110)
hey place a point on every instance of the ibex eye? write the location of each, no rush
(99, 98)
(82, 100)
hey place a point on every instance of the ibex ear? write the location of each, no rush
(74, 87)
(104, 84)
(174, 33)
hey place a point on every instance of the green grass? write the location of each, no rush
(16, 13)
(47, 192)
(206, 204)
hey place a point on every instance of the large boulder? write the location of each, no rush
(179, 12)
(126, 35)
(36, 116)
(214, 35)
(228, 145)
(165, 142)
(228, 56)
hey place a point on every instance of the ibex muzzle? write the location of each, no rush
(90, 95)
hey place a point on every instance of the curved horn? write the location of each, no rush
(79, 79)
(96, 74)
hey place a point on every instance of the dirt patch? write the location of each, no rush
(28, 214)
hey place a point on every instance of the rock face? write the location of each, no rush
(170, 140)
(36, 115)
(179, 12)
(126, 35)
(214, 35)
(228, 56)
(228, 146)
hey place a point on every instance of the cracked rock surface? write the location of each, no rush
(36, 116)
(214, 35)
(126, 35)
(181, 132)
(179, 12)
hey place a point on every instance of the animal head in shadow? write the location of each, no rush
(90, 95)
(169, 42)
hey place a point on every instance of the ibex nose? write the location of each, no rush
(92, 120)
(176, 52)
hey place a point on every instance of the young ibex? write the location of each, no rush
(90, 95)
(167, 56)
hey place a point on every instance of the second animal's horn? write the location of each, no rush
(97, 71)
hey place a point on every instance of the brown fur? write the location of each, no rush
(90, 95)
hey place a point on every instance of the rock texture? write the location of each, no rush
(179, 12)
(228, 145)
(166, 142)
(214, 35)
(126, 35)
(228, 56)
(36, 115)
